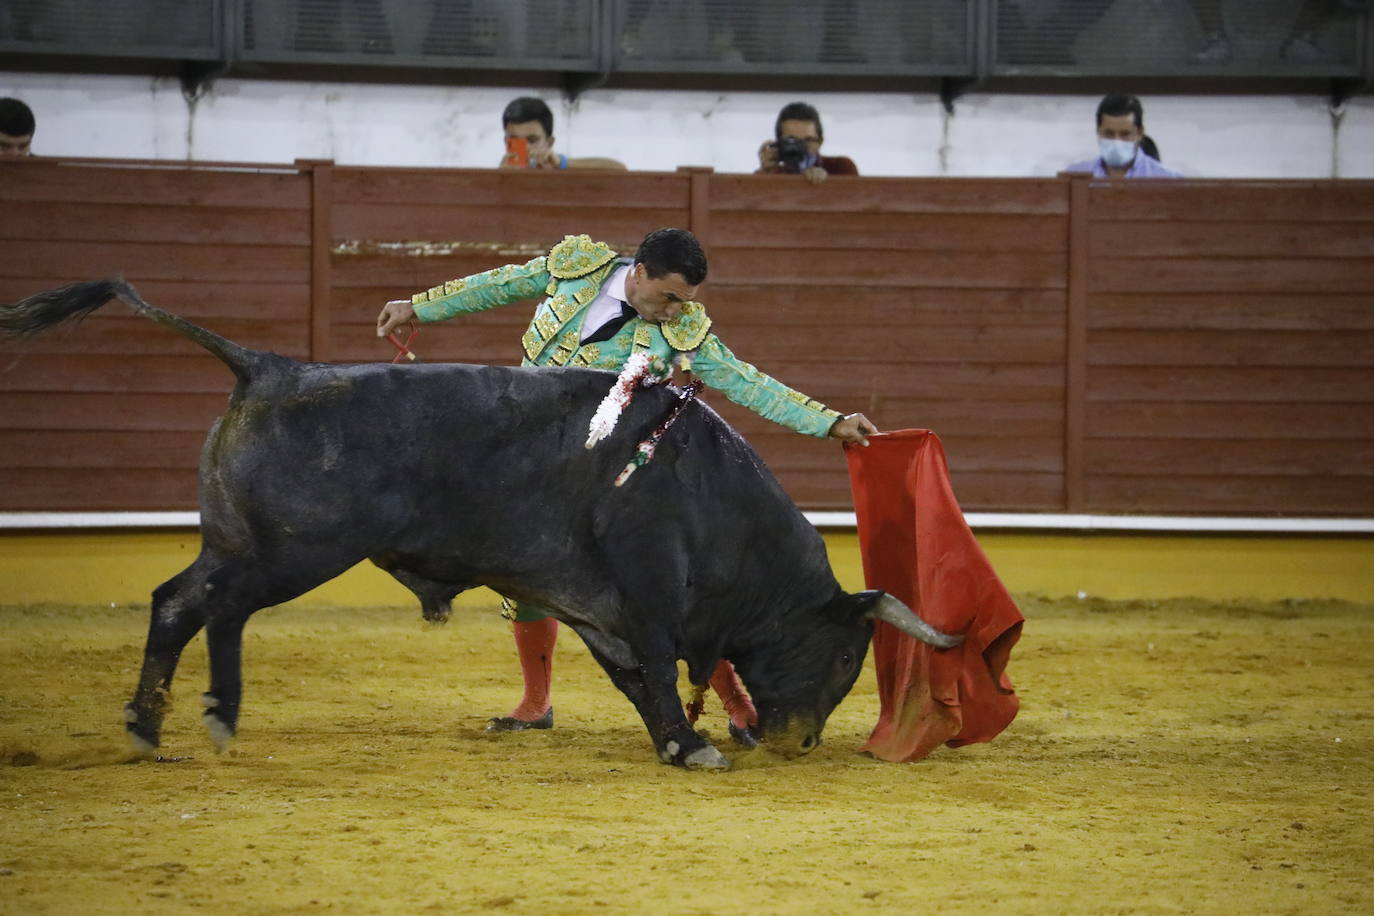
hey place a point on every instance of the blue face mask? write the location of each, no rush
(1116, 153)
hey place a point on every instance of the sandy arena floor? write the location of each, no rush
(1169, 758)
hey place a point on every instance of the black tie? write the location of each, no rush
(607, 330)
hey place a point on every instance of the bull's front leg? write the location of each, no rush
(652, 688)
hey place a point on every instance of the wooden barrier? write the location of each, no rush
(111, 416)
(1161, 347)
(1230, 348)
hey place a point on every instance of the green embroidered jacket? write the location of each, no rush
(569, 278)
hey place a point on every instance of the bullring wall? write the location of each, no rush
(1084, 346)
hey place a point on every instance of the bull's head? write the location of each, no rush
(799, 678)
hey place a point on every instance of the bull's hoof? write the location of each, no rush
(703, 758)
(221, 732)
(745, 737)
(142, 739)
(706, 758)
(512, 724)
(144, 745)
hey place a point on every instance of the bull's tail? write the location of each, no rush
(45, 310)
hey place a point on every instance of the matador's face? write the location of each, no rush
(657, 298)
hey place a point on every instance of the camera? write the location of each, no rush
(791, 154)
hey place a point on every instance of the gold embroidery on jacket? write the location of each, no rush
(644, 337)
(587, 355)
(808, 403)
(567, 346)
(546, 324)
(532, 342)
(578, 255)
(689, 328)
(563, 307)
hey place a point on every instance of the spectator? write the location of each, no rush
(1120, 138)
(16, 128)
(1300, 47)
(796, 147)
(529, 119)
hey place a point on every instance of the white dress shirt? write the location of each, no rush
(606, 306)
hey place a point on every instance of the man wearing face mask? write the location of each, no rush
(1120, 131)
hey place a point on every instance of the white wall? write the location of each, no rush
(886, 134)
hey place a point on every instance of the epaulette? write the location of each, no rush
(689, 328)
(577, 256)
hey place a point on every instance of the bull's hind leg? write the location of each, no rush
(220, 595)
(224, 640)
(177, 615)
(652, 688)
(234, 592)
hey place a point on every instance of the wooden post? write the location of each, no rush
(699, 199)
(1076, 346)
(321, 246)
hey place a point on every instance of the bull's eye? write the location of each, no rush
(846, 661)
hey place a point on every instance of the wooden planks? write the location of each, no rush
(45, 489)
(1246, 202)
(1218, 356)
(886, 196)
(929, 304)
(1231, 347)
(111, 415)
(539, 224)
(398, 231)
(107, 412)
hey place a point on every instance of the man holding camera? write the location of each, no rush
(796, 147)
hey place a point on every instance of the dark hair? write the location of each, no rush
(798, 111)
(672, 251)
(16, 118)
(1116, 105)
(1148, 147)
(528, 108)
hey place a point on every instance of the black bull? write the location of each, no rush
(454, 476)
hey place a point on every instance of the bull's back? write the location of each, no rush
(489, 463)
(371, 440)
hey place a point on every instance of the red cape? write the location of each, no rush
(917, 547)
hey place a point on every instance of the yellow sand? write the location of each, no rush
(102, 566)
(1169, 758)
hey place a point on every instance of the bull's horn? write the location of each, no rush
(893, 611)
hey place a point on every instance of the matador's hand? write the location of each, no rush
(394, 314)
(854, 428)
